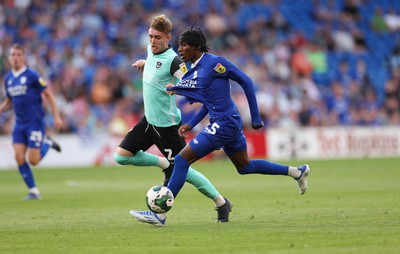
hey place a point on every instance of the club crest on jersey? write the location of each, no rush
(158, 65)
(42, 82)
(23, 80)
(183, 68)
(220, 68)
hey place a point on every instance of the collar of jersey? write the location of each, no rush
(16, 74)
(159, 53)
(197, 61)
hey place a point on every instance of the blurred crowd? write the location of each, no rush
(313, 63)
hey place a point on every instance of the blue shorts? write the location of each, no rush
(225, 133)
(30, 134)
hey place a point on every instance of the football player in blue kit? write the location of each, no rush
(24, 89)
(207, 82)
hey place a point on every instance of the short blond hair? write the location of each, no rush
(162, 24)
(18, 46)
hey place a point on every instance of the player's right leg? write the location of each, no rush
(149, 217)
(172, 143)
(20, 137)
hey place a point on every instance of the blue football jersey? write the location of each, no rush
(25, 91)
(208, 83)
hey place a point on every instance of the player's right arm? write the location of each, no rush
(139, 64)
(5, 105)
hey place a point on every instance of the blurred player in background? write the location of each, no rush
(207, 82)
(24, 88)
(161, 121)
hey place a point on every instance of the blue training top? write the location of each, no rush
(25, 91)
(208, 83)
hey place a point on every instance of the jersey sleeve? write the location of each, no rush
(178, 68)
(39, 81)
(4, 87)
(235, 73)
(198, 117)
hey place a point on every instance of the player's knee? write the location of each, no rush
(122, 160)
(180, 162)
(33, 161)
(20, 159)
(247, 169)
(34, 157)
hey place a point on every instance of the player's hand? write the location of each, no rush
(139, 64)
(184, 129)
(257, 125)
(58, 123)
(170, 85)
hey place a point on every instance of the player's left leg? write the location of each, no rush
(38, 143)
(223, 205)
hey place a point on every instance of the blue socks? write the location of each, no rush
(264, 167)
(254, 167)
(179, 175)
(44, 149)
(27, 175)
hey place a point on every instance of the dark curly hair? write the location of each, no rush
(194, 37)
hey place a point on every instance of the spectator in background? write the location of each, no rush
(378, 23)
(392, 20)
(394, 58)
(392, 102)
(71, 40)
(317, 58)
(338, 104)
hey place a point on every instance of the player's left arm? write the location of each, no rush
(58, 123)
(178, 68)
(236, 74)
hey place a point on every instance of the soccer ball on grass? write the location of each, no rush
(159, 199)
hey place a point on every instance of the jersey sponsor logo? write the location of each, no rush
(17, 90)
(42, 81)
(220, 68)
(158, 64)
(183, 67)
(189, 83)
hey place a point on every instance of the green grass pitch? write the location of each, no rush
(352, 206)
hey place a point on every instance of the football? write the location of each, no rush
(159, 199)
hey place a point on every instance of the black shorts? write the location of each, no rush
(144, 135)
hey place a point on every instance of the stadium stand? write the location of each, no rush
(314, 63)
